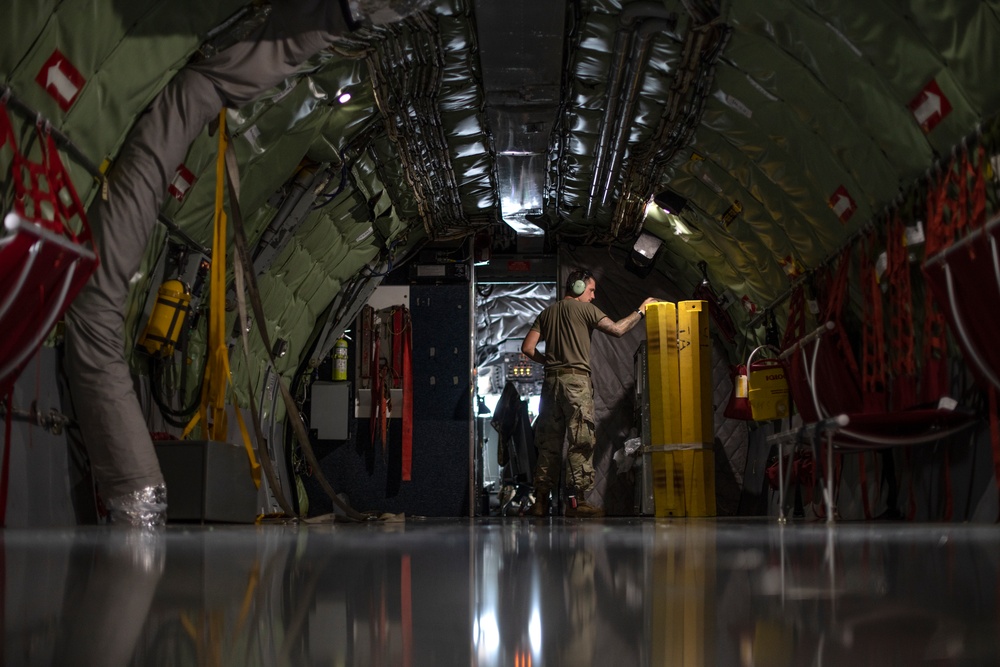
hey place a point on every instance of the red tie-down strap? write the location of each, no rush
(397, 346)
(959, 189)
(367, 322)
(835, 298)
(902, 357)
(873, 373)
(934, 381)
(977, 215)
(795, 327)
(835, 305)
(940, 235)
(377, 407)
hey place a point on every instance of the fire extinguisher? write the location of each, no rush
(340, 360)
(167, 319)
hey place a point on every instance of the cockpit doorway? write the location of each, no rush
(508, 388)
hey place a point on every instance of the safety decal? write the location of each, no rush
(61, 80)
(733, 103)
(914, 235)
(929, 107)
(732, 212)
(180, 184)
(791, 267)
(365, 234)
(843, 204)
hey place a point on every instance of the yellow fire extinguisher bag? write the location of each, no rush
(165, 322)
(768, 390)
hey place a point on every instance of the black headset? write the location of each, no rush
(577, 281)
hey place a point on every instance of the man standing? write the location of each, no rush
(567, 402)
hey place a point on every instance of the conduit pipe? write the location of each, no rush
(692, 80)
(630, 19)
(623, 121)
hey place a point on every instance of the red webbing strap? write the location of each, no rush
(384, 406)
(835, 306)
(960, 186)
(6, 128)
(873, 372)
(397, 346)
(935, 376)
(5, 464)
(7, 135)
(995, 435)
(407, 336)
(937, 233)
(367, 318)
(978, 213)
(838, 291)
(935, 346)
(863, 474)
(60, 183)
(795, 327)
(376, 383)
(34, 200)
(902, 355)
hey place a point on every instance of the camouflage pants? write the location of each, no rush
(567, 407)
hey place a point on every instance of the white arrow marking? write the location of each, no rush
(181, 181)
(929, 106)
(57, 79)
(842, 206)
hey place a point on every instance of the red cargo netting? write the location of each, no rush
(43, 262)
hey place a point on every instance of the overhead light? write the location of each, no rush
(680, 228)
(670, 201)
(344, 97)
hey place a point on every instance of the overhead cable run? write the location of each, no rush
(406, 65)
(649, 18)
(937, 167)
(695, 75)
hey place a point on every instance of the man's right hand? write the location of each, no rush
(642, 308)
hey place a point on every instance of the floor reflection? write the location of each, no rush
(503, 592)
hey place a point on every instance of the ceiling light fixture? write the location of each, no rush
(680, 228)
(670, 201)
(344, 97)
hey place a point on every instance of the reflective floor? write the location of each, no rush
(504, 592)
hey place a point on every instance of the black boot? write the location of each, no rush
(540, 508)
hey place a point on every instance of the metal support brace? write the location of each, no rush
(810, 434)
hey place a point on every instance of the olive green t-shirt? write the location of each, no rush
(565, 327)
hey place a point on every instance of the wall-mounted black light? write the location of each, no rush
(670, 201)
(643, 255)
